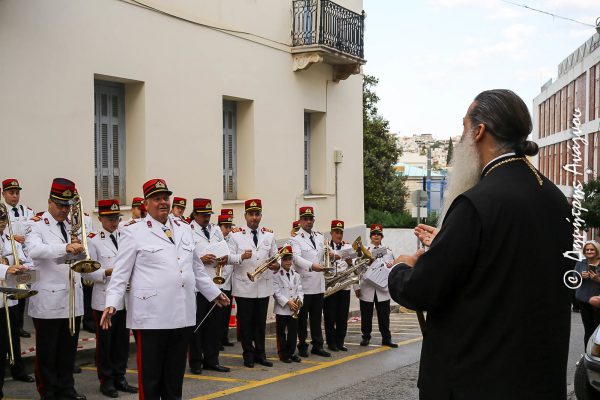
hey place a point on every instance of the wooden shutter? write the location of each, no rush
(229, 150)
(109, 141)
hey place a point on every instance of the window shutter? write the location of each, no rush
(229, 150)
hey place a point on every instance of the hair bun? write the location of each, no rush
(527, 147)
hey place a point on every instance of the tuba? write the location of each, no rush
(351, 275)
(86, 265)
(263, 267)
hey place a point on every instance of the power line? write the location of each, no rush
(548, 13)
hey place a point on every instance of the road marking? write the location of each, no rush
(216, 378)
(268, 358)
(304, 371)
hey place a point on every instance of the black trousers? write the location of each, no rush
(383, 318)
(287, 335)
(55, 355)
(161, 362)
(590, 317)
(112, 348)
(3, 348)
(226, 317)
(311, 308)
(204, 345)
(252, 322)
(18, 369)
(335, 312)
(88, 313)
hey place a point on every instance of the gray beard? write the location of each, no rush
(464, 173)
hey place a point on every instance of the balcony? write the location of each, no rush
(325, 32)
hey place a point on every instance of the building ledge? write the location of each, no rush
(343, 64)
(316, 196)
(233, 201)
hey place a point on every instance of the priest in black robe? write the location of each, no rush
(498, 310)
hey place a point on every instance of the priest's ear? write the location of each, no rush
(479, 132)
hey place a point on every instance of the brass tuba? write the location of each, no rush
(263, 267)
(351, 275)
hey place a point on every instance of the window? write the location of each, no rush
(109, 140)
(229, 150)
(306, 153)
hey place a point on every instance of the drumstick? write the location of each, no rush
(200, 324)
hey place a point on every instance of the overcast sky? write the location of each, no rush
(433, 56)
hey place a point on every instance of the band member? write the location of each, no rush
(50, 246)
(17, 370)
(205, 344)
(138, 211)
(288, 296)
(156, 256)
(308, 248)
(371, 294)
(251, 247)
(179, 204)
(19, 215)
(295, 228)
(337, 306)
(226, 225)
(112, 345)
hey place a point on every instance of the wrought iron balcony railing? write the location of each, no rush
(325, 23)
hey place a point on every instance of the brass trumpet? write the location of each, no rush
(299, 304)
(264, 266)
(218, 279)
(328, 271)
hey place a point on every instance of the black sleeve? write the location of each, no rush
(442, 269)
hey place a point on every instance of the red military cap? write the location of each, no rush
(307, 211)
(203, 206)
(154, 186)
(179, 201)
(376, 229)
(253, 205)
(285, 250)
(137, 201)
(296, 225)
(225, 219)
(10, 183)
(62, 191)
(227, 211)
(337, 224)
(109, 207)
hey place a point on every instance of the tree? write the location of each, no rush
(591, 203)
(384, 189)
(450, 152)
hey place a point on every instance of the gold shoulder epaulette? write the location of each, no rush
(133, 221)
(237, 229)
(36, 218)
(267, 230)
(91, 235)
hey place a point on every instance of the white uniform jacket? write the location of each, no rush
(202, 242)
(163, 276)
(241, 240)
(122, 224)
(103, 250)
(305, 255)
(340, 265)
(47, 250)
(367, 289)
(286, 289)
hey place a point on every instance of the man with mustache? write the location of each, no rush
(480, 342)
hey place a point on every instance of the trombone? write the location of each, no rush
(86, 265)
(263, 267)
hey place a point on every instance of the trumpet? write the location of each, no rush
(299, 304)
(328, 271)
(263, 267)
(86, 265)
(218, 279)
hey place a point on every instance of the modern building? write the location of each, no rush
(225, 99)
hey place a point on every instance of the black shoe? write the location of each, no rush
(389, 343)
(218, 368)
(24, 333)
(72, 395)
(320, 352)
(248, 364)
(286, 360)
(295, 358)
(265, 363)
(364, 342)
(332, 348)
(109, 391)
(76, 369)
(24, 378)
(303, 352)
(228, 344)
(123, 386)
(196, 371)
(342, 348)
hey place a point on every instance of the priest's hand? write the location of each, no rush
(409, 260)
(425, 233)
(595, 301)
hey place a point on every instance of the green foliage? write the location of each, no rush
(450, 152)
(383, 189)
(591, 202)
(396, 219)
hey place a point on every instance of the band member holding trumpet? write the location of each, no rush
(156, 256)
(337, 306)
(253, 252)
(226, 225)
(51, 246)
(205, 343)
(309, 250)
(112, 345)
(288, 296)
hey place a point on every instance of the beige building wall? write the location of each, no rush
(176, 75)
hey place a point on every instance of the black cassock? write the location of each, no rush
(498, 312)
